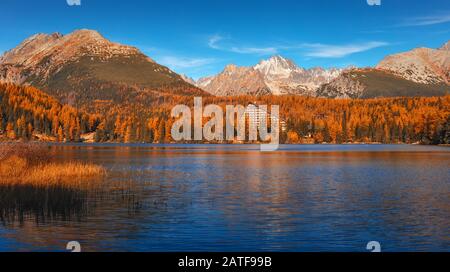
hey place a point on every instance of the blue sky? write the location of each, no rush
(199, 37)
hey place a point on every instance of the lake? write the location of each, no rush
(236, 198)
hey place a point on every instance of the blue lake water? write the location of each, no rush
(236, 198)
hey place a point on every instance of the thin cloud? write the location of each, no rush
(338, 51)
(316, 50)
(213, 42)
(255, 50)
(427, 20)
(182, 62)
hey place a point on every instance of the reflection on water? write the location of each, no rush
(49, 204)
(21, 203)
(235, 198)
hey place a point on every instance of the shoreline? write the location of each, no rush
(5, 141)
(221, 144)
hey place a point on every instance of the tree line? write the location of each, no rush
(26, 112)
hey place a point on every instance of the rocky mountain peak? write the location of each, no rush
(446, 46)
(29, 48)
(421, 65)
(231, 68)
(276, 65)
(86, 33)
(56, 49)
(76, 67)
(280, 61)
(41, 44)
(276, 75)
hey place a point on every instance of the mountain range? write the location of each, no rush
(84, 69)
(277, 76)
(420, 72)
(83, 87)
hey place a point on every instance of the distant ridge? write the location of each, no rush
(83, 67)
(419, 72)
(276, 75)
(421, 65)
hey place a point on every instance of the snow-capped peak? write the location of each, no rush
(276, 66)
(277, 75)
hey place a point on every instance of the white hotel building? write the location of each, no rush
(256, 114)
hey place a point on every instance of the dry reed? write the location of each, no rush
(31, 165)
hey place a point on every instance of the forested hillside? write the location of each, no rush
(89, 72)
(27, 112)
(308, 120)
(382, 120)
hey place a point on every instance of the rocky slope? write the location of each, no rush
(188, 79)
(284, 77)
(419, 72)
(446, 46)
(234, 80)
(373, 83)
(276, 75)
(83, 67)
(421, 65)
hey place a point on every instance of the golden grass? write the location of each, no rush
(35, 186)
(25, 165)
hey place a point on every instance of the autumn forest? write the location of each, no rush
(30, 114)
